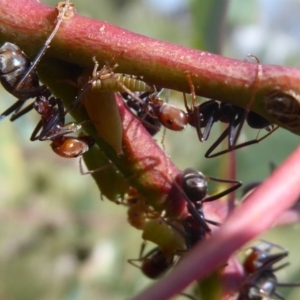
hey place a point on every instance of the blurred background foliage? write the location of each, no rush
(59, 240)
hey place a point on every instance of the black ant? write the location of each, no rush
(192, 184)
(261, 282)
(200, 116)
(151, 123)
(158, 112)
(18, 75)
(204, 116)
(153, 112)
(154, 263)
(52, 127)
(211, 111)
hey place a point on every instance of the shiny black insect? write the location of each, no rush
(154, 263)
(13, 65)
(52, 127)
(151, 123)
(201, 117)
(204, 115)
(18, 75)
(193, 186)
(212, 111)
(154, 112)
(261, 282)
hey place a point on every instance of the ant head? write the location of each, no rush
(194, 184)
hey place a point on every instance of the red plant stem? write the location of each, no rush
(152, 170)
(259, 213)
(28, 23)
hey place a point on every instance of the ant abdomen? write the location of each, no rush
(156, 264)
(70, 147)
(13, 64)
(172, 117)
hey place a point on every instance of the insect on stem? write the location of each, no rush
(65, 12)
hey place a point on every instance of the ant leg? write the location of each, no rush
(14, 107)
(192, 89)
(141, 255)
(238, 122)
(212, 222)
(254, 90)
(255, 141)
(185, 104)
(151, 125)
(86, 87)
(227, 132)
(34, 135)
(205, 115)
(236, 185)
(18, 113)
(192, 209)
(49, 127)
(83, 172)
(207, 129)
(195, 110)
(135, 97)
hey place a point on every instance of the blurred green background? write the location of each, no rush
(58, 239)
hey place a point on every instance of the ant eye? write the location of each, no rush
(203, 116)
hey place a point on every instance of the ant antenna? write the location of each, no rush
(63, 14)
